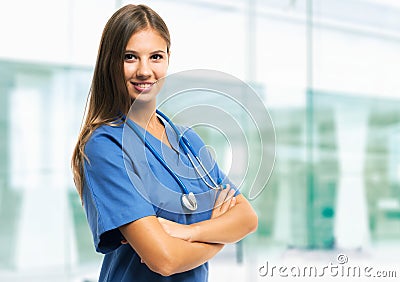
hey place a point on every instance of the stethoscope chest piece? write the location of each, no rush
(189, 201)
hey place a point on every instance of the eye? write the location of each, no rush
(156, 57)
(129, 57)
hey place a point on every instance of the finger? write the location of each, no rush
(221, 198)
(233, 202)
(228, 195)
(227, 202)
(163, 221)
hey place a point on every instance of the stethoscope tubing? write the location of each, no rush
(185, 145)
(157, 155)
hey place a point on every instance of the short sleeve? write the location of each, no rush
(109, 197)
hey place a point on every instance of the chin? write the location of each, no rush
(143, 97)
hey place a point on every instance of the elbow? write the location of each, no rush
(249, 226)
(164, 265)
(164, 270)
(252, 223)
(255, 225)
(249, 219)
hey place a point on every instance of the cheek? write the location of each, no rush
(128, 70)
(162, 69)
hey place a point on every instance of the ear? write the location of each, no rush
(168, 55)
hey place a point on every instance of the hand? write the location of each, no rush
(224, 202)
(176, 230)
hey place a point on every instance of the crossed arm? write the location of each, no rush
(167, 247)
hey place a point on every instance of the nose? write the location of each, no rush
(143, 70)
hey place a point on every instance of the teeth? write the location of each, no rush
(143, 85)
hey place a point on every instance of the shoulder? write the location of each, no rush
(105, 144)
(103, 139)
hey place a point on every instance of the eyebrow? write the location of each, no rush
(158, 51)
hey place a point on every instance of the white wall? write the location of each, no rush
(62, 31)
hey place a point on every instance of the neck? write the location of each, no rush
(144, 115)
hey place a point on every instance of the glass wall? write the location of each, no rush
(326, 70)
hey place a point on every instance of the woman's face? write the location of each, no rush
(145, 61)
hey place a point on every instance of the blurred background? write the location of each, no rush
(327, 70)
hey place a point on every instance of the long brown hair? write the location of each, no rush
(108, 96)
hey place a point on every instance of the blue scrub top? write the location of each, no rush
(123, 182)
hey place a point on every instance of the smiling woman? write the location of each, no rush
(141, 240)
(145, 62)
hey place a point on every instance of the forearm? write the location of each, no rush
(163, 253)
(230, 227)
(186, 255)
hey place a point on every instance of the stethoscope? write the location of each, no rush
(188, 199)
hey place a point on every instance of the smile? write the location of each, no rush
(143, 86)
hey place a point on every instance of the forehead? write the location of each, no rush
(146, 39)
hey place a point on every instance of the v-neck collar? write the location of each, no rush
(171, 135)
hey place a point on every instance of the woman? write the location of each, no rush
(141, 240)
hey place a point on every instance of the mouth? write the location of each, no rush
(143, 86)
